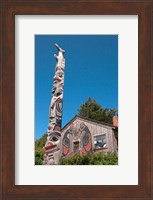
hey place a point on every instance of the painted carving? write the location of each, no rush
(86, 138)
(53, 143)
(77, 139)
(66, 143)
(67, 140)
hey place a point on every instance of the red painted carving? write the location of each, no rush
(65, 150)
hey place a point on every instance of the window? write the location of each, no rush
(100, 141)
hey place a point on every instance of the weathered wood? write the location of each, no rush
(94, 129)
(53, 143)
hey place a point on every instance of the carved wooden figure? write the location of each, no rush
(53, 143)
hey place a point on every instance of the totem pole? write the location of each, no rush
(53, 143)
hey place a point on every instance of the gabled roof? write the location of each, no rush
(87, 119)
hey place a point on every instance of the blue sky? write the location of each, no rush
(91, 69)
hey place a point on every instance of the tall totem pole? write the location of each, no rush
(53, 143)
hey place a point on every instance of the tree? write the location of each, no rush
(39, 154)
(39, 151)
(41, 142)
(92, 110)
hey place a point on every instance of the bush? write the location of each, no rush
(39, 151)
(91, 159)
(41, 141)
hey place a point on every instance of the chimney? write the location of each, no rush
(115, 121)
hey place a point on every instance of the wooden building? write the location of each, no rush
(82, 135)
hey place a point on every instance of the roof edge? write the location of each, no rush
(92, 120)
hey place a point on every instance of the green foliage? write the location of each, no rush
(41, 142)
(92, 110)
(91, 159)
(39, 151)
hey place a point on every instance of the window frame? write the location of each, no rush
(102, 134)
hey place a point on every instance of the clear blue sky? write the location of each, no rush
(91, 69)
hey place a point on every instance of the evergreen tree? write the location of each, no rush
(92, 110)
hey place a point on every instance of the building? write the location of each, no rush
(82, 135)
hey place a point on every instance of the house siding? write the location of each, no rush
(75, 135)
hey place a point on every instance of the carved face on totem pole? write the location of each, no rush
(53, 144)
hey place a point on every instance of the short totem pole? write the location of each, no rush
(53, 143)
